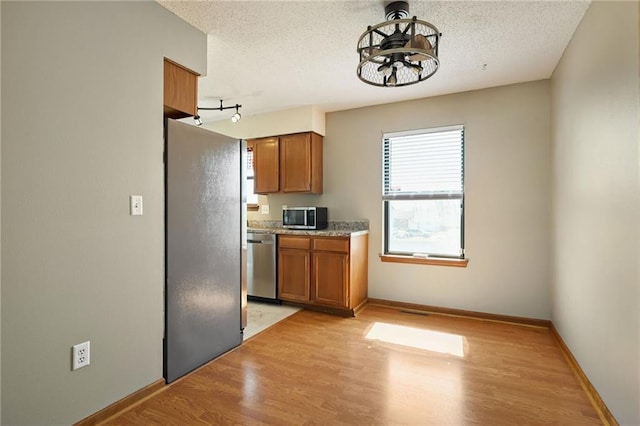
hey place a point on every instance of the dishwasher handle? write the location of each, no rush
(260, 241)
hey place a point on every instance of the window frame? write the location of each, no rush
(422, 258)
(251, 206)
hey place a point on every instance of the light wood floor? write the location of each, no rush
(314, 368)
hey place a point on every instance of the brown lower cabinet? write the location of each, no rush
(328, 273)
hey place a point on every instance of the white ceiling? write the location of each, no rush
(274, 55)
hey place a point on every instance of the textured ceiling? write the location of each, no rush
(275, 55)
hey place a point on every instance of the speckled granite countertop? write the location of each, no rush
(335, 229)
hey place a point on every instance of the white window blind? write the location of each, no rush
(425, 164)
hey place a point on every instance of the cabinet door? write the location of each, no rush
(330, 279)
(266, 165)
(295, 160)
(294, 271)
(180, 91)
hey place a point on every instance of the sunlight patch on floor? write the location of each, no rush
(434, 341)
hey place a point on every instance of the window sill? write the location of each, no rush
(253, 207)
(440, 261)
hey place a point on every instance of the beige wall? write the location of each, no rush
(301, 119)
(596, 203)
(83, 129)
(507, 197)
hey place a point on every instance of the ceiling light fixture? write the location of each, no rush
(399, 51)
(235, 117)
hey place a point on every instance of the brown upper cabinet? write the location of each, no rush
(180, 90)
(266, 165)
(289, 163)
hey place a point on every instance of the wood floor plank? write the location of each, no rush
(315, 368)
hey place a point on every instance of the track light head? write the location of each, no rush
(236, 117)
(198, 120)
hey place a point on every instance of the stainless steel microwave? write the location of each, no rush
(304, 217)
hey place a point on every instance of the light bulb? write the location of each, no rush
(417, 69)
(393, 79)
(384, 69)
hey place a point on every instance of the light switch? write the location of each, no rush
(135, 205)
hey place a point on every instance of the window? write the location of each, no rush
(252, 198)
(423, 193)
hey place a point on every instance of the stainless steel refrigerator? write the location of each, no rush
(205, 299)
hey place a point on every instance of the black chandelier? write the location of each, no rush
(235, 117)
(399, 51)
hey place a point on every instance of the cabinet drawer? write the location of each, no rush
(294, 242)
(331, 244)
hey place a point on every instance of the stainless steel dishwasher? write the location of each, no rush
(261, 266)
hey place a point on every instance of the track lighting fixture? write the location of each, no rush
(235, 117)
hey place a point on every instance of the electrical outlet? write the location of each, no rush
(81, 355)
(264, 209)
